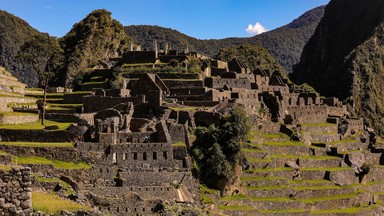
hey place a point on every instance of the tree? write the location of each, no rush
(46, 57)
(217, 148)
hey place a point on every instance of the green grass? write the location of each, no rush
(256, 199)
(66, 186)
(282, 211)
(3, 152)
(78, 92)
(16, 114)
(331, 169)
(205, 199)
(281, 144)
(94, 83)
(36, 125)
(39, 144)
(57, 164)
(329, 198)
(5, 167)
(277, 169)
(251, 150)
(268, 187)
(236, 208)
(179, 144)
(257, 178)
(317, 181)
(205, 189)
(309, 157)
(65, 105)
(325, 124)
(257, 160)
(349, 210)
(51, 204)
(186, 108)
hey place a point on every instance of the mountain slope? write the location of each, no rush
(345, 56)
(91, 43)
(13, 33)
(284, 43)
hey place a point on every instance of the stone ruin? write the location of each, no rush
(136, 138)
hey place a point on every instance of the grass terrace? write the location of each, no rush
(51, 204)
(57, 164)
(5, 167)
(236, 208)
(186, 108)
(36, 125)
(39, 144)
(16, 114)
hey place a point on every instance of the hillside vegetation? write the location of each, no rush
(91, 43)
(13, 33)
(285, 43)
(255, 57)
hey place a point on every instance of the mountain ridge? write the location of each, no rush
(284, 43)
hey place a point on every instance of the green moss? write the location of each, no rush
(283, 144)
(51, 204)
(240, 197)
(257, 160)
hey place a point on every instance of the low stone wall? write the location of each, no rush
(4, 101)
(15, 192)
(36, 136)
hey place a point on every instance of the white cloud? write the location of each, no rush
(256, 29)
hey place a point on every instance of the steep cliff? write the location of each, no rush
(91, 43)
(344, 58)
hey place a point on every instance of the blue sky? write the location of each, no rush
(204, 19)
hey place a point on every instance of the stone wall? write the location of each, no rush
(36, 136)
(18, 119)
(4, 101)
(96, 104)
(15, 192)
(219, 83)
(63, 154)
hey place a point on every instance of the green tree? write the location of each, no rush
(217, 147)
(46, 57)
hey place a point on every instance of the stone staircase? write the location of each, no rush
(285, 177)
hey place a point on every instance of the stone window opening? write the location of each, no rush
(154, 155)
(101, 171)
(143, 209)
(124, 156)
(165, 155)
(134, 155)
(145, 156)
(117, 209)
(146, 189)
(114, 160)
(126, 209)
(135, 209)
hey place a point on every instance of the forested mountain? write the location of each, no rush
(284, 43)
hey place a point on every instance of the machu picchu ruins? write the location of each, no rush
(98, 124)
